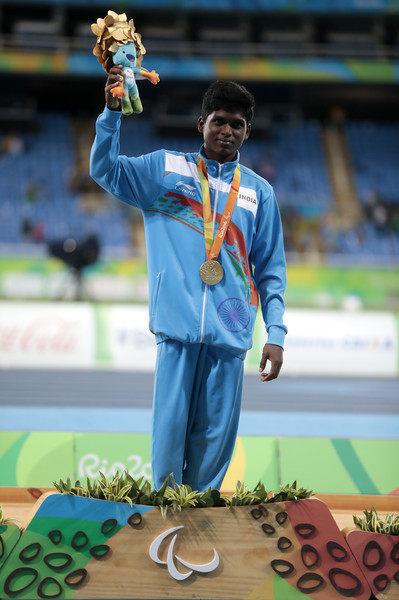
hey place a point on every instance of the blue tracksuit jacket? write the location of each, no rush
(166, 187)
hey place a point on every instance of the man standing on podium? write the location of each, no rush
(214, 248)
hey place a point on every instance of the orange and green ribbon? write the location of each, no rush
(213, 245)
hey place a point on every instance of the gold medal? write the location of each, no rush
(211, 272)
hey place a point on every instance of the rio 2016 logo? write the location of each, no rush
(91, 464)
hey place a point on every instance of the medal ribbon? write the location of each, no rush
(213, 245)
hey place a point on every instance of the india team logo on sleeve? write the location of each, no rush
(247, 199)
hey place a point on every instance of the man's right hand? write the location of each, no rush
(115, 76)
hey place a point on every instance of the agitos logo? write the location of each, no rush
(170, 560)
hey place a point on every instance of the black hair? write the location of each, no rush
(230, 96)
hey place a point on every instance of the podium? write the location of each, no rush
(76, 547)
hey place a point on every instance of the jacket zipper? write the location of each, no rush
(213, 224)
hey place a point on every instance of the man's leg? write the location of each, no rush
(212, 427)
(174, 379)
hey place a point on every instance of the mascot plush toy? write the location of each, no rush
(118, 43)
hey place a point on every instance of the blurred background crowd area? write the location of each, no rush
(325, 75)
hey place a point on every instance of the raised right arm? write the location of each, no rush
(131, 180)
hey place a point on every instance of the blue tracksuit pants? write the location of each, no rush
(197, 401)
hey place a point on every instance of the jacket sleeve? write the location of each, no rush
(269, 266)
(134, 180)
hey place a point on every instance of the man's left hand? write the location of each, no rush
(274, 354)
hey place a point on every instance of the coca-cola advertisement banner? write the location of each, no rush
(47, 335)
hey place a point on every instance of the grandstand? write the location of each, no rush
(41, 202)
(43, 198)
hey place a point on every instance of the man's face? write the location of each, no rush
(223, 132)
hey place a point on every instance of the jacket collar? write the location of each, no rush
(212, 166)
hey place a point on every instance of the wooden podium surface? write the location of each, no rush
(17, 502)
